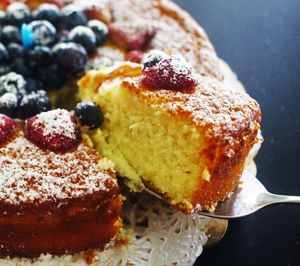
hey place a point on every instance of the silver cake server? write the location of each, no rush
(249, 197)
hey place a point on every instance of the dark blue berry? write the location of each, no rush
(72, 16)
(20, 66)
(10, 34)
(9, 104)
(44, 33)
(15, 50)
(33, 104)
(70, 57)
(38, 56)
(153, 58)
(48, 12)
(51, 77)
(89, 114)
(17, 14)
(4, 69)
(84, 36)
(63, 36)
(2, 17)
(12, 82)
(32, 85)
(3, 54)
(100, 30)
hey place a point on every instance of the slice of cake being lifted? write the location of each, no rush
(183, 137)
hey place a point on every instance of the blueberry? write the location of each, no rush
(84, 36)
(12, 82)
(4, 69)
(38, 56)
(33, 104)
(51, 77)
(3, 54)
(20, 66)
(70, 57)
(10, 34)
(89, 114)
(100, 30)
(32, 85)
(63, 36)
(17, 14)
(9, 104)
(72, 16)
(15, 50)
(44, 32)
(48, 12)
(153, 58)
(2, 17)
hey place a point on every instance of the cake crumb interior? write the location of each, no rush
(148, 144)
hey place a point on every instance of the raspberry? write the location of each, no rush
(7, 128)
(130, 36)
(135, 56)
(55, 130)
(172, 73)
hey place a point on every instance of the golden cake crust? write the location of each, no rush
(54, 202)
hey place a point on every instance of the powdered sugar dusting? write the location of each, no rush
(179, 68)
(30, 174)
(56, 122)
(190, 39)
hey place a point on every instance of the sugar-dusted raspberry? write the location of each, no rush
(7, 128)
(135, 56)
(55, 130)
(171, 73)
(131, 36)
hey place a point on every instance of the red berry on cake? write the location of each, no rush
(131, 36)
(171, 73)
(55, 130)
(135, 56)
(7, 128)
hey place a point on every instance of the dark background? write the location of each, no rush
(261, 42)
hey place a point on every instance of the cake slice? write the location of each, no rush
(185, 138)
(57, 195)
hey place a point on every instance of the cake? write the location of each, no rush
(186, 136)
(188, 147)
(52, 200)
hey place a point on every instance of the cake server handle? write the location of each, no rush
(248, 198)
(270, 198)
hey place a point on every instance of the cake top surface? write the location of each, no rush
(30, 174)
(226, 115)
(190, 39)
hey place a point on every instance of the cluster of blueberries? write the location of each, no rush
(46, 47)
